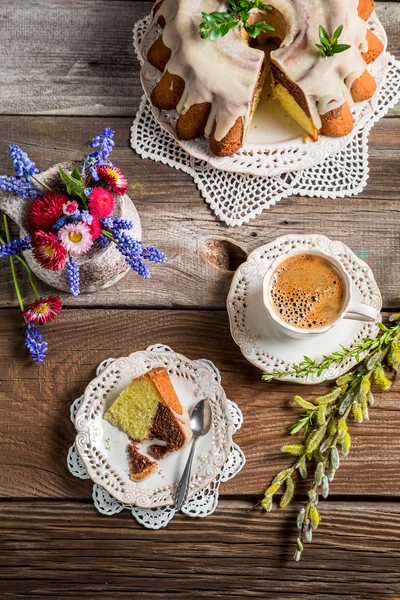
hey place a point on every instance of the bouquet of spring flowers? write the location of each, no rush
(67, 223)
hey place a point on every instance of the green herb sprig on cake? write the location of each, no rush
(218, 24)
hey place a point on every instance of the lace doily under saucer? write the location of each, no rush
(202, 504)
(235, 197)
(254, 331)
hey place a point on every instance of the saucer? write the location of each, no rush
(262, 342)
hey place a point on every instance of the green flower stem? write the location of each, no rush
(108, 234)
(29, 271)
(41, 183)
(308, 366)
(14, 275)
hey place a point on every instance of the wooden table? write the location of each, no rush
(68, 69)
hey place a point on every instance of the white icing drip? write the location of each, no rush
(225, 72)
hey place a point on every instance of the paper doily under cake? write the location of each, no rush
(236, 198)
(202, 504)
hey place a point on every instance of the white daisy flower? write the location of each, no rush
(76, 238)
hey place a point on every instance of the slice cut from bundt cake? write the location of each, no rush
(215, 85)
(150, 409)
(140, 466)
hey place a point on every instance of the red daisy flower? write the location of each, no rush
(101, 203)
(44, 211)
(114, 178)
(48, 251)
(95, 229)
(43, 310)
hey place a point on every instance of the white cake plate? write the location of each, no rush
(202, 504)
(258, 337)
(275, 143)
(102, 447)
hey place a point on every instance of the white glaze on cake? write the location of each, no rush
(225, 72)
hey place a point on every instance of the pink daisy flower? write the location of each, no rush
(43, 310)
(101, 203)
(114, 178)
(70, 208)
(48, 251)
(76, 238)
(95, 229)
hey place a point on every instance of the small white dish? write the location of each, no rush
(102, 447)
(259, 337)
(275, 142)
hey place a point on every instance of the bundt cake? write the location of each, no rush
(215, 85)
(150, 409)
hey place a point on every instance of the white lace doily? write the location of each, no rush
(202, 504)
(236, 198)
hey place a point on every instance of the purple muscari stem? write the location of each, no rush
(34, 342)
(23, 165)
(154, 255)
(103, 143)
(15, 247)
(73, 275)
(135, 262)
(103, 240)
(20, 187)
(116, 225)
(120, 225)
(128, 243)
(108, 222)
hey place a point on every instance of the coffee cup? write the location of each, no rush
(342, 295)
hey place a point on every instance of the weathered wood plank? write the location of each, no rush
(176, 218)
(68, 550)
(77, 58)
(35, 431)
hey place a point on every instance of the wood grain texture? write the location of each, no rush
(77, 58)
(35, 431)
(202, 252)
(68, 550)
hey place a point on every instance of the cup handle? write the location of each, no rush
(358, 311)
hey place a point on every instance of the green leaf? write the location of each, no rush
(340, 48)
(293, 429)
(214, 34)
(338, 32)
(76, 174)
(208, 19)
(74, 187)
(323, 34)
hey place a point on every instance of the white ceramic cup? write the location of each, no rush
(352, 309)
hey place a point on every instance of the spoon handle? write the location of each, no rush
(183, 485)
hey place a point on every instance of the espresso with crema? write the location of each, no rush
(306, 291)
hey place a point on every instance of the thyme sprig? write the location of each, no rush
(309, 366)
(326, 430)
(218, 24)
(329, 45)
